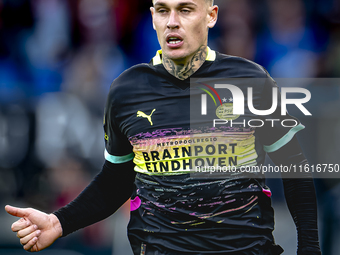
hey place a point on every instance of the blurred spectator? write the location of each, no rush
(47, 46)
(237, 29)
(65, 125)
(288, 47)
(16, 22)
(98, 60)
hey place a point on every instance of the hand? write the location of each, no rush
(36, 230)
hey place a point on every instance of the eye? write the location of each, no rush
(185, 11)
(162, 11)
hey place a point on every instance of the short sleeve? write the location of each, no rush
(278, 129)
(118, 149)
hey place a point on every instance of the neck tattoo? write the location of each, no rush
(184, 71)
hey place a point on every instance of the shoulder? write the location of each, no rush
(133, 76)
(239, 67)
(131, 80)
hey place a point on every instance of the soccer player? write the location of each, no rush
(151, 149)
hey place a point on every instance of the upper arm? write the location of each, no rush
(117, 146)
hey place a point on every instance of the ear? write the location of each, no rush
(152, 9)
(212, 16)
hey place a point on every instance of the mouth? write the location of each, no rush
(174, 41)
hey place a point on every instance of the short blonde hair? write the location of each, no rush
(210, 2)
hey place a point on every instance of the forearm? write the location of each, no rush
(301, 201)
(109, 190)
(300, 197)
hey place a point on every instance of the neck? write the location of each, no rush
(184, 71)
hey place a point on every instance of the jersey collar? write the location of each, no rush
(157, 60)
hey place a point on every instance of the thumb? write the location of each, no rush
(15, 211)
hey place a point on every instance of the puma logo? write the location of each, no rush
(143, 115)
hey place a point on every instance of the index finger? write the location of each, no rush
(20, 224)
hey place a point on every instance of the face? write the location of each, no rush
(182, 26)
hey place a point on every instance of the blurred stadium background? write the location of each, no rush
(59, 57)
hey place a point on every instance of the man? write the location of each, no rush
(150, 152)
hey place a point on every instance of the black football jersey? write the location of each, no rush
(150, 119)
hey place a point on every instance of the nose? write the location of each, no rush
(173, 20)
